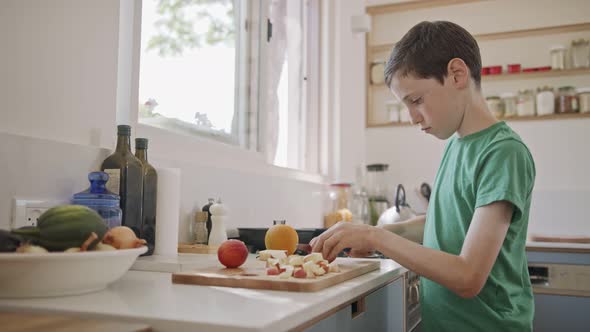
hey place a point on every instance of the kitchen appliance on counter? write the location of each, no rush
(560, 277)
(377, 190)
(401, 211)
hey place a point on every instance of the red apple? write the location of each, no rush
(272, 271)
(232, 253)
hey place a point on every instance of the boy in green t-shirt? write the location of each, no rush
(472, 262)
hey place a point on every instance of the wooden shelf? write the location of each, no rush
(543, 31)
(538, 74)
(523, 76)
(412, 5)
(509, 34)
(519, 118)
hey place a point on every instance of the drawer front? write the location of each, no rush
(383, 310)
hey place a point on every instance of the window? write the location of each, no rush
(290, 80)
(242, 72)
(190, 81)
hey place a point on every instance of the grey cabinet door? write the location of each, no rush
(561, 313)
(384, 310)
(338, 322)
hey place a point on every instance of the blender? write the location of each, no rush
(377, 191)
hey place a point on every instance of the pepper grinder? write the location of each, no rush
(219, 214)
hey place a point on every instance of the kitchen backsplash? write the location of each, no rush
(44, 169)
(38, 168)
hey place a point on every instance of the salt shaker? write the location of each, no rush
(219, 214)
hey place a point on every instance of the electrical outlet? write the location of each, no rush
(25, 212)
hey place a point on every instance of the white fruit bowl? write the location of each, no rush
(58, 273)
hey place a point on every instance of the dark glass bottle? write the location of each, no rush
(150, 192)
(206, 209)
(125, 179)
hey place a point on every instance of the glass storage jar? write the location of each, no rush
(393, 110)
(378, 72)
(496, 106)
(557, 57)
(581, 53)
(525, 103)
(567, 100)
(336, 204)
(545, 100)
(584, 98)
(509, 99)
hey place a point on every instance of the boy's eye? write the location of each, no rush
(417, 101)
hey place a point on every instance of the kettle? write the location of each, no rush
(400, 212)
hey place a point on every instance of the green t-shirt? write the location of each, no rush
(476, 170)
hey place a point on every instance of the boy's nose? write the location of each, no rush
(415, 116)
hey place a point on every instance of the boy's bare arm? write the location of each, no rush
(464, 274)
(412, 229)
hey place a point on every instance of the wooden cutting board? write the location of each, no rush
(255, 277)
(186, 248)
(30, 322)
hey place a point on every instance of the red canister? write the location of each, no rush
(514, 68)
(495, 70)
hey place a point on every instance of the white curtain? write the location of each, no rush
(276, 58)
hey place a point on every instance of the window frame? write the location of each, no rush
(245, 156)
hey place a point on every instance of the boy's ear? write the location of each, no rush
(458, 73)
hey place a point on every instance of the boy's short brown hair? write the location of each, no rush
(427, 48)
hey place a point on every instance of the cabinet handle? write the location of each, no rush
(358, 307)
(414, 294)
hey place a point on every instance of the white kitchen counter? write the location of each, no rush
(152, 298)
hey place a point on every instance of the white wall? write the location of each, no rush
(560, 148)
(348, 83)
(59, 86)
(58, 62)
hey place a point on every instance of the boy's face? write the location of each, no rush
(436, 108)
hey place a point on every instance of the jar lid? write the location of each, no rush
(580, 41)
(492, 98)
(508, 95)
(583, 90)
(340, 185)
(557, 48)
(377, 167)
(567, 87)
(97, 194)
(545, 88)
(525, 91)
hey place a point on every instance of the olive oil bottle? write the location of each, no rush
(126, 179)
(150, 192)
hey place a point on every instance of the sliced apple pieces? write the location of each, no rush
(304, 267)
(264, 255)
(314, 257)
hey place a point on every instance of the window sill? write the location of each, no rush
(209, 153)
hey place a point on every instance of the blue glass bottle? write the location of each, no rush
(98, 198)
